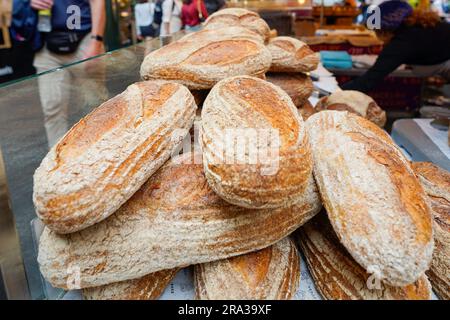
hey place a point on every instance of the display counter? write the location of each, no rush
(24, 139)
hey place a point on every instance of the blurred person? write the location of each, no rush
(67, 43)
(214, 5)
(193, 13)
(171, 17)
(414, 37)
(143, 13)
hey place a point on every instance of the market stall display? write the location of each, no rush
(230, 222)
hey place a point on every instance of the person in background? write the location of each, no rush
(143, 12)
(412, 37)
(214, 5)
(171, 17)
(193, 13)
(64, 44)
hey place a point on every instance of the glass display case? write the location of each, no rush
(27, 127)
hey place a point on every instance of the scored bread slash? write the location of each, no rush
(272, 273)
(107, 156)
(374, 201)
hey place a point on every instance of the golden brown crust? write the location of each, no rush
(252, 107)
(355, 102)
(200, 59)
(272, 273)
(174, 220)
(297, 85)
(110, 153)
(238, 17)
(149, 287)
(339, 277)
(291, 55)
(375, 202)
(436, 183)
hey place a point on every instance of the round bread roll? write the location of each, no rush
(239, 17)
(201, 59)
(297, 85)
(355, 102)
(255, 149)
(272, 273)
(291, 55)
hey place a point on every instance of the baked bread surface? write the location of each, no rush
(291, 55)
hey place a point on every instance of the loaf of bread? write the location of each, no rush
(355, 102)
(201, 59)
(436, 182)
(373, 198)
(291, 55)
(256, 152)
(174, 220)
(272, 273)
(297, 85)
(306, 110)
(107, 156)
(337, 275)
(149, 287)
(238, 17)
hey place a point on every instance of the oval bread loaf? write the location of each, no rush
(355, 102)
(374, 201)
(174, 220)
(201, 59)
(255, 149)
(436, 182)
(297, 85)
(238, 17)
(272, 273)
(291, 55)
(107, 156)
(339, 277)
(149, 287)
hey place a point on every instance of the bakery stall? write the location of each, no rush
(177, 192)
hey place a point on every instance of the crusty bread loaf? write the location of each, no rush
(110, 153)
(272, 273)
(297, 85)
(238, 17)
(374, 201)
(201, 59)
(291, 55)
(436, 182)
(255, 149)
(355, 102)
(149, 287)
(174, 220)
(306, 110)
(337, 275)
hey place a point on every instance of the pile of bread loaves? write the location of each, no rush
(123, 214)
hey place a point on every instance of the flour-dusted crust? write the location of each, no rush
(306, 110)
(272, 273)
(291, 55)
(201, 59)
(355, 102)
(239, 17)
(297, 85)
(107, 156)
(174, 220)
(375, 202)
(249, 108)
(149, 287)
(338, 276)
(436, 182)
